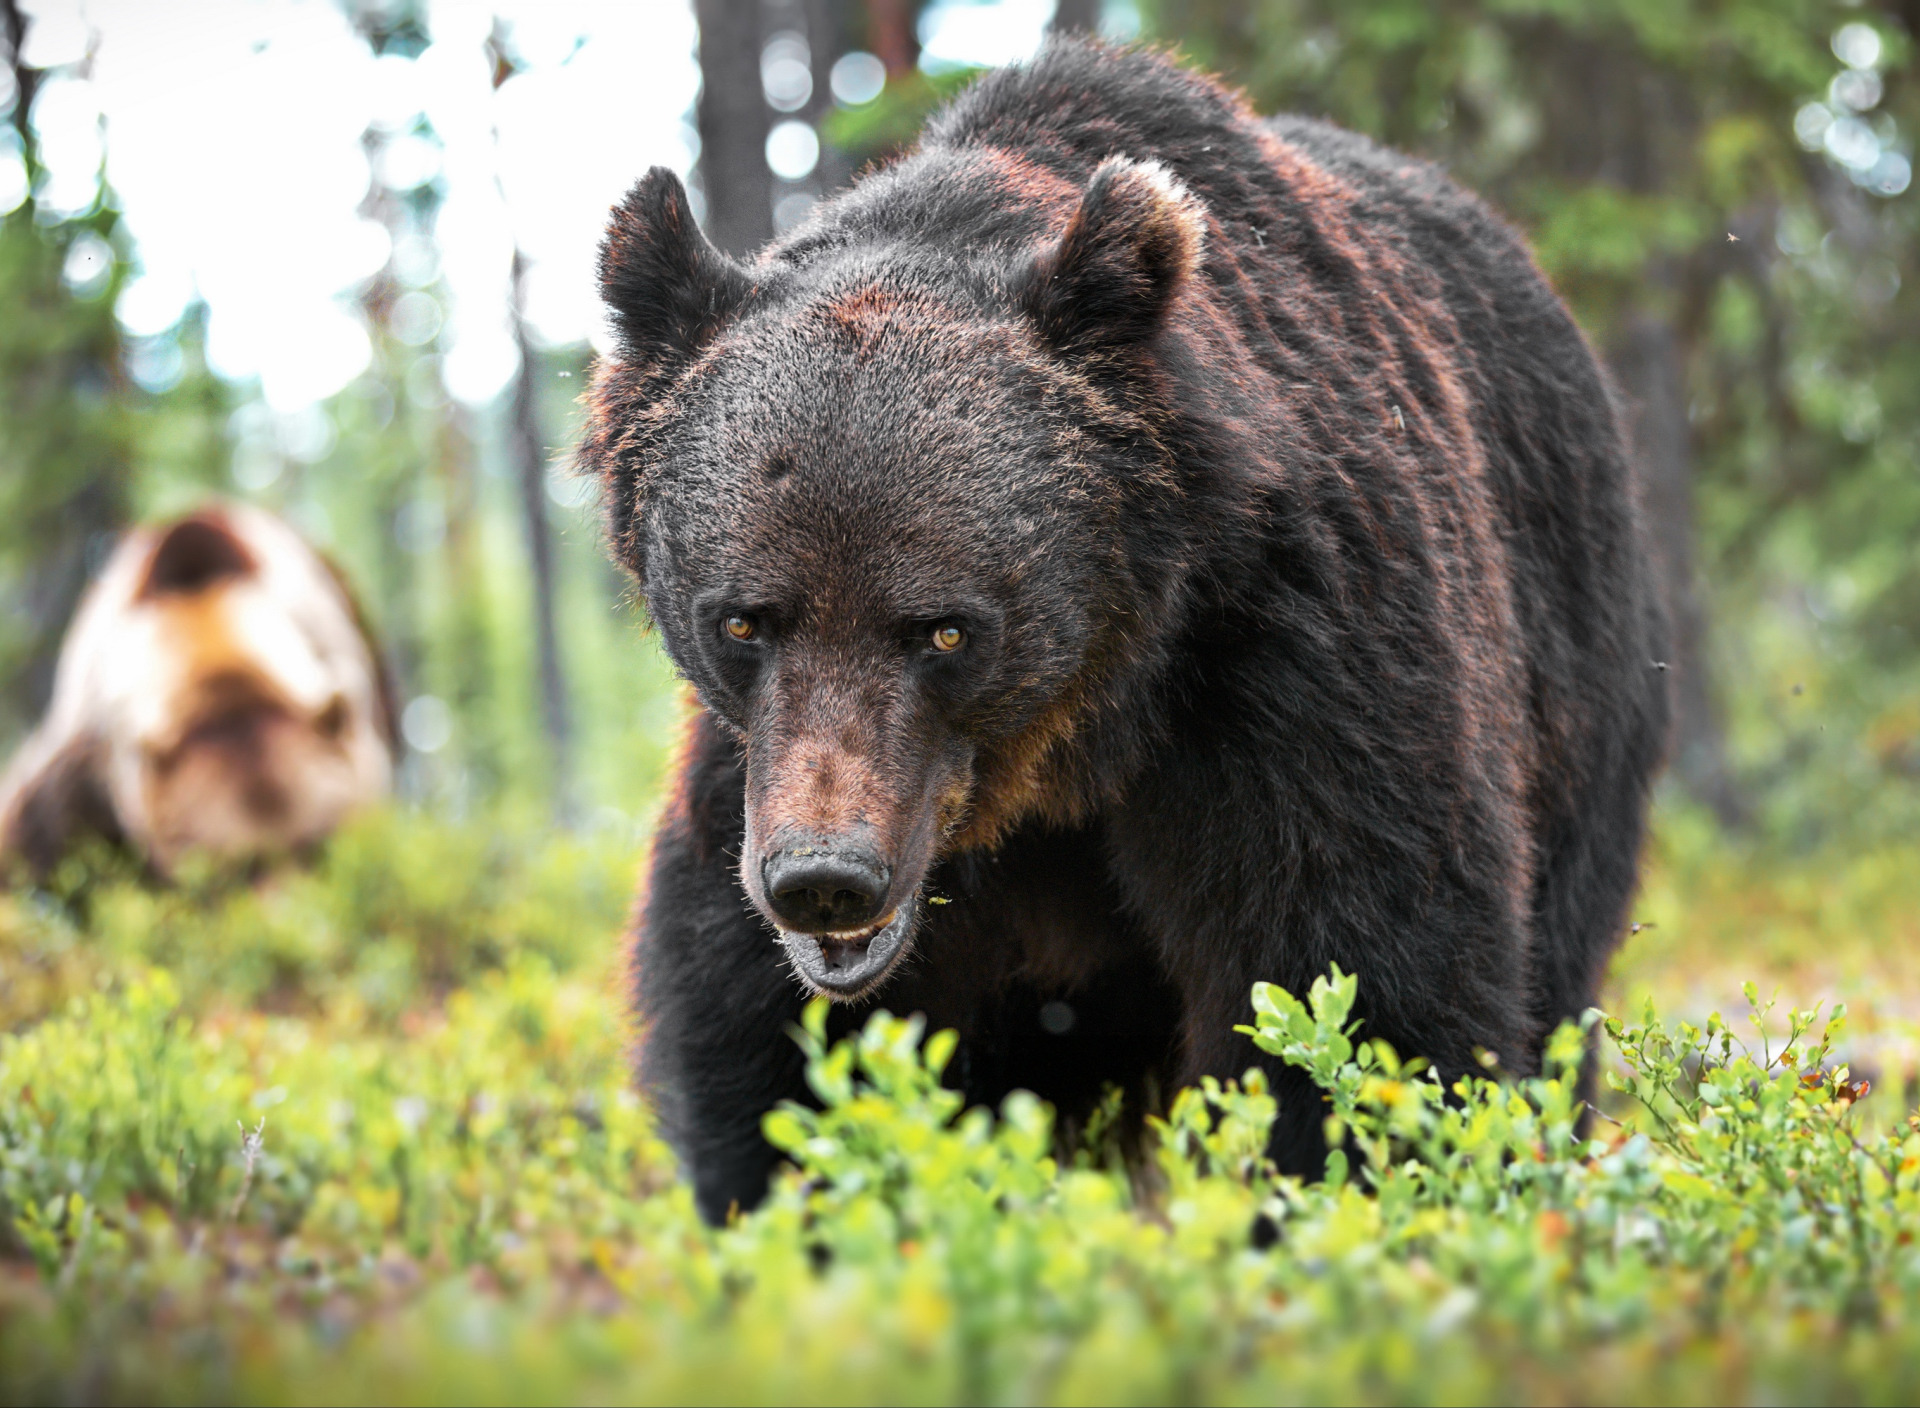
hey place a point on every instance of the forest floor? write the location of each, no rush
(365, 1132)
(1841, 926)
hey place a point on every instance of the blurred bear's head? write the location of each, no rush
(217, 692)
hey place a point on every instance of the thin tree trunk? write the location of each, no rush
(526, 447)
(733, 126)
(828, 37)
(1615, 120)
(1652, 373)
(891, 37)
(80, 532)
(26, 81)
(1075, 17)
(530, 460)
(466, 668)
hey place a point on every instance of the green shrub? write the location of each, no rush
(366, 1132)
(476, 1208)
(401, 909)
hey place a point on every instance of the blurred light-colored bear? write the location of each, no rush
(218, 691)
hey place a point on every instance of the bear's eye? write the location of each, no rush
(948, 638)
(740, 627)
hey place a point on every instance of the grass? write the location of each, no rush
(1837, 925)
(365, 1133)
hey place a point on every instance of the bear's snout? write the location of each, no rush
(822, 888)
(832, 900)
(847, 802)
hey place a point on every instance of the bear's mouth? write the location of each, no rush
(848, 965)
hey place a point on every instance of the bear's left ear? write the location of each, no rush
(1136, 238)
(666, 285)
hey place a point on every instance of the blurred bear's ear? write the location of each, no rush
(665, 284)
(195, 554)
(1136, 238)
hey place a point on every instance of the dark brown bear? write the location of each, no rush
(1125, 550)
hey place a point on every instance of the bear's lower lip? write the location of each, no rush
(844, 966)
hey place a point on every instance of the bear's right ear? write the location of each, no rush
(1135, 241)
(666, 286)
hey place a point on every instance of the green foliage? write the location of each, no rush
(877, 130)
(81, 446)
(65, 440)
(243, 1180)
(1746, 1171)
(403, 907)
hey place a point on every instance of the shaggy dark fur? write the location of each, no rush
(1287, 528)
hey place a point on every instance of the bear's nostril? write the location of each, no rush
(825, 892)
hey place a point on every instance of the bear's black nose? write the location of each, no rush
(818, 890)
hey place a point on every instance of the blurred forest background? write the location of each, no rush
(1721, 188)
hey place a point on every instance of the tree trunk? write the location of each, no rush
(78, 536)
(1652, 374)
(466, 672)
(891, 37)
(1613, 119)
(1075, 17)
(530, 460)
(26, 81)
(829, 35)
(733, 126)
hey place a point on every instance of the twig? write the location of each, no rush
(250, 1147)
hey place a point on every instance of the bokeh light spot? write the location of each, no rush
(426, 723)
(88, 266)
(793, 150)
(786, 72)
(1857, 45)
(857, 78)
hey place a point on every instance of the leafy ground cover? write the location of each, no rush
(364, 1133)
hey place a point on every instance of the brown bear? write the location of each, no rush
(217, 692)
(1124, 550)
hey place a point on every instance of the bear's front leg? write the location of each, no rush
(1245, 865)
(712, 988)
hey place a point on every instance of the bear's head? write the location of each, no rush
(216, 693)
(880, 500)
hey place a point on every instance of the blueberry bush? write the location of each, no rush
(365, 1133)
